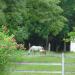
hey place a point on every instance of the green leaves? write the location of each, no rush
(45, 17)
(7, 47)
(2, 15)
(28, 17)
(72, 36)
(22, 34)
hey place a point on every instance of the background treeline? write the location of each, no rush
(38, 21)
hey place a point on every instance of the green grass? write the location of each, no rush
(70, 68)
(37, 59)
(21, 56)
(14, 73)
(38, 67)
(37, 74)
(69, 60)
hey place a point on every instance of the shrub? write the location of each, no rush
(7, 47)
(20, 46)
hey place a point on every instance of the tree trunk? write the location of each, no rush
(47, 44)
(64, 46)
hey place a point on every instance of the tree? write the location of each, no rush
(27, 18)
(2, 15)
(44, 18)
(13, 15)
(69, 11)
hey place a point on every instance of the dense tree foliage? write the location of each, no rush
(69, 12)
(2, 15)
(44, 18)
(31, 16)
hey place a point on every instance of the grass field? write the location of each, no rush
(21, 56)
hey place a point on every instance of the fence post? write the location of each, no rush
(49, 47)
(63, 71)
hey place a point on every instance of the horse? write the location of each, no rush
(36, 49)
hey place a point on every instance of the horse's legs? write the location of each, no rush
(34, 52)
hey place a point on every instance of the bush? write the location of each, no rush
(7, 47)
(20, 46)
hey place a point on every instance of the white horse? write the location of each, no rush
(37, 49)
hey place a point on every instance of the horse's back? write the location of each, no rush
(36, 48)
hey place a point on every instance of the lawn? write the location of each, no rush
(33, 74)
(51, 57)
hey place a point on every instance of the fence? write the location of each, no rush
(62, 64)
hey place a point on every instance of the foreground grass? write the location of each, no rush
(33, 74)
(23, 57)
(38, 67)
(44, 67)
(22, 73)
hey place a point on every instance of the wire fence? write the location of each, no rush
(62, 64)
